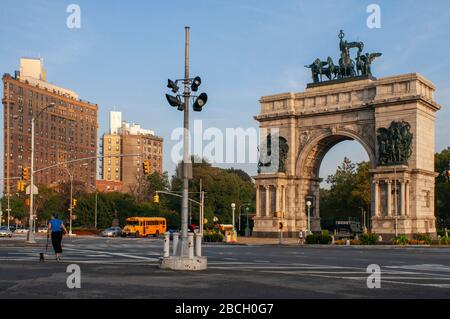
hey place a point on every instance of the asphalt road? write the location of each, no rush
(127, 268)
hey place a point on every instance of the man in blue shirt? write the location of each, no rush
(56, 228)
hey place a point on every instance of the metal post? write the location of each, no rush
(233, 207)
(96, 204)
(8, 210)
(309, 220)
(8, 147)
(30, 235)
(185, 201)
(71, 202)
(202, 207)
(201, 221)
(247, 228)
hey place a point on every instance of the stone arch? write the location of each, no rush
(310, 157)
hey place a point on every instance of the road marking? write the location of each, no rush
(112, 254)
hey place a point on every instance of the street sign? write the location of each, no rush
(35, 192)
(205, 221)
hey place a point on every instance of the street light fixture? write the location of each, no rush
(309, 204)
(30, 235)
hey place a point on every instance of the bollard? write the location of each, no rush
(176, 236)
(166, 245)
(198, 245)
(191, 245)
(347, 242)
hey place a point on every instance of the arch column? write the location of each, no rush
(267, 201)
(376, 195)
(258, 202)
(389, 198)
(407, 199)
(403, 198)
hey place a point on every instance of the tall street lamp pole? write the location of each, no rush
(233, 207)
(175, 101)
(30, 235)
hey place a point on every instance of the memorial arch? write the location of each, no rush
(393, 119)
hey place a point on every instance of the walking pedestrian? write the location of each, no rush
(301, 238)
(55, 230)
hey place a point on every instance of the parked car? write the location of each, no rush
(42, 230)
(112, 232)
(21, 231)
(5, 232)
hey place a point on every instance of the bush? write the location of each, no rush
(368, 239)
(213, 237)
(325, 238)
(355, 242)
(340, 242)
(422, 240)
(401, 240)
(319, 239)
(445, 241)
(312, 239)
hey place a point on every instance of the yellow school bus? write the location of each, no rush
(145, 226)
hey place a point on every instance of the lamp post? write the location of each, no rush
(309, 204)
(175, 101)
(247, 226)
(233, 207)
(240, 212)
(30, 234)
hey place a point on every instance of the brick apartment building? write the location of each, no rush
(63, 133)
(125, 173)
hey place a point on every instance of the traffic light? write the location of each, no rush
(25, 174)
(20, 186)
(200, 102)
(448, 175)
(146, 167)
(156, 199)
(74, 203)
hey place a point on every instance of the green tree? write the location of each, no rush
(442, 162)
(349, 193)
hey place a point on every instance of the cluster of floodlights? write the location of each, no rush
(176, 101)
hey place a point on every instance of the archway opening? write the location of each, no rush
(345, 188)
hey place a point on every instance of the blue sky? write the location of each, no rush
(243, 49)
